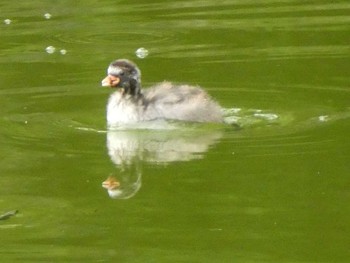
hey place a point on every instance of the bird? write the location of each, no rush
(130, 104)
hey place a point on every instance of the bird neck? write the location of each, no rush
(132, 88)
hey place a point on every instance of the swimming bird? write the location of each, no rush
(132, 104)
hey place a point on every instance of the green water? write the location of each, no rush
(274, 188)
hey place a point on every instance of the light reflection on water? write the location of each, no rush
(267, 189)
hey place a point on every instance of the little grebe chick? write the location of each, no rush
(130, 104)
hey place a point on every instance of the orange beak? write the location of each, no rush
(110, 81)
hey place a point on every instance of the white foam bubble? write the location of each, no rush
(7, 21)
(141, 52)
(323, 118)
(50, 49)
(47, 15)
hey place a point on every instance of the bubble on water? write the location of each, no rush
(141, 52)
(7, 21)
(50, 50)
(63, 51)
(323, 118)
(47, 15)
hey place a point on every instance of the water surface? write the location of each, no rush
(272, 188)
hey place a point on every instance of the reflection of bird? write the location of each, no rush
(130, 104)
(112, 186)
(110, 183)
(130, 149)
(129, 185)
(127, 147)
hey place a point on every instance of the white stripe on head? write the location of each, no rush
(114, 70)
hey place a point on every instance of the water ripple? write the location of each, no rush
(268, 16)
(146, 37)
(220, 54)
